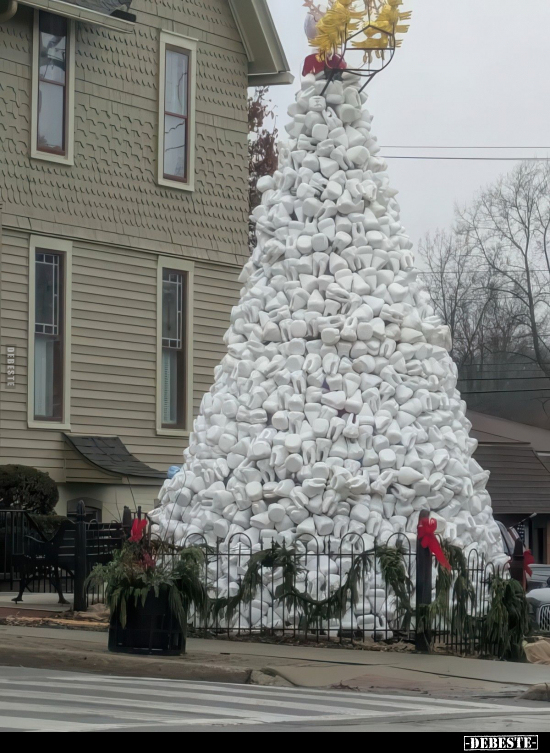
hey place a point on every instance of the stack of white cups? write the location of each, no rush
(334, 418)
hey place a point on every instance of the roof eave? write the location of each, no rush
(78, 13)
(271, 79)
(267, 62)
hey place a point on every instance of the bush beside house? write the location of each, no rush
(25, 488)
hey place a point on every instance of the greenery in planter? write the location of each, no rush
(142, 567)
(24, 488)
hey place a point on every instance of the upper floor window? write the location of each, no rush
(53, 85)
(176, 110)
(176, 115)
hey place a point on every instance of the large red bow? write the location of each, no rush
(426, 532)
(528, 560)
(137, 530)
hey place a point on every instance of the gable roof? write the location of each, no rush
(519, 482)
(487, 428)
(267, 63)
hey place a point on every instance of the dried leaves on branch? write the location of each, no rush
(262, 147)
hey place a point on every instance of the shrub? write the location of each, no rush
(24, 488)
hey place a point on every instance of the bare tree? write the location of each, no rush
(262, 147)
(490, 276)
(507, 230)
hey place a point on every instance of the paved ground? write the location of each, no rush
(306, 667)
(46, 701)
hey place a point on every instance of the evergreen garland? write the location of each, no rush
(498, 633)
(507, 622)
(335, 605)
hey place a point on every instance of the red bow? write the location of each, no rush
(137, 530)
(528, 560)
(312, 64)
(426, 532)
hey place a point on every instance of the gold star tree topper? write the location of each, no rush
(373, 26)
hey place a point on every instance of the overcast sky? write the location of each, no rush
(470, 73)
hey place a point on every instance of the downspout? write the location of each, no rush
(10, 10)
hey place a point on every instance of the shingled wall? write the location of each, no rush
(120, 220)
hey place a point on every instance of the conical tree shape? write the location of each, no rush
(335, 412)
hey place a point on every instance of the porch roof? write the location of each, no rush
(112, 456)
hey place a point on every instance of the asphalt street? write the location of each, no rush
(47, 701)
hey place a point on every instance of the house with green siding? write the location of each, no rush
(123, 228)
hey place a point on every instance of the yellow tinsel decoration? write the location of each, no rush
(335, 26)
(381, 20)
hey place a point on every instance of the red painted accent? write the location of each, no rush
(312, 64)
(426, 533)
(528, 560)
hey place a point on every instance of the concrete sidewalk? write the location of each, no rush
(241, 662)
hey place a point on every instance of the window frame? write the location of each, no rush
(187, 268)
(186, 46)
(67, 156)
(63, 248)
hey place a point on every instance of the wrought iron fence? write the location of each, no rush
(20, 533)
(292, 601)
(459, 626)
(318, 572)
(374, 611)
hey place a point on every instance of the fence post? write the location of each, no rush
(127, 521)
(80, 569)
(423, 588)
(517, 566)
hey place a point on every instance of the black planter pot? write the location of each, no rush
(151, 628)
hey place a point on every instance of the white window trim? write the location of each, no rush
(65, 247)
(189, 45)
(68, 158)
(169, 262)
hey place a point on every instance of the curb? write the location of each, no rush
(118, 664)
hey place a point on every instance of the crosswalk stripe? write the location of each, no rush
(192, 699)
(309, 693)
(179, 708)
(48, 702)
(262, 716)
(25, 724)
(247, 695)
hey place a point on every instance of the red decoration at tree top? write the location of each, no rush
(312, 64)
(426, 533)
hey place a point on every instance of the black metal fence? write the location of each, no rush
(289, 601)
(317, 572)
(373, 610)
(23, 537)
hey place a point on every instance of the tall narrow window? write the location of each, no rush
(177, 94)
(48, 336)
(53, 60)
(173, 354)
(176, 114)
